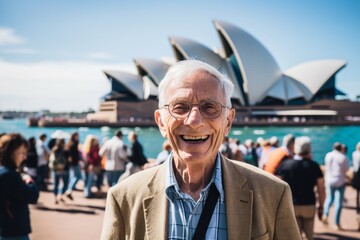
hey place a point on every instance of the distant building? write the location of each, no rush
(263, 92)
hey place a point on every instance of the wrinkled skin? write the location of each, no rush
(195, 140)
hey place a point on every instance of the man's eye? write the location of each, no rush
(209, 107)
(180, 108)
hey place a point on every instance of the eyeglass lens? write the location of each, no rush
(208, 109)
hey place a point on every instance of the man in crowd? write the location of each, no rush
(197, 193)
(303, 175)
(336, 166)
(115, 151)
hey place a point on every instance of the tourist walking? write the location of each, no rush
(336, 166)
(73, 156)
(16, 191)
(92, 162)
(116, 157)
(43, 160)
(356, 179)
(59, 166)
(136, 156)
(303, 175)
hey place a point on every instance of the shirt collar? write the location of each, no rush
(172, 184)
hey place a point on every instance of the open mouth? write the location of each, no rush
(188, 138)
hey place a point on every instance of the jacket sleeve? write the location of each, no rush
(286, 226)
(113, 225)
(21, 192)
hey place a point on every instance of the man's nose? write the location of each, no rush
(194, 119)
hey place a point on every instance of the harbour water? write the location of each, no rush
(322, 136)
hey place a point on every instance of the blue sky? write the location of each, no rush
(52, 53)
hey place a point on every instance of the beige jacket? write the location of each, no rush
(258, 205)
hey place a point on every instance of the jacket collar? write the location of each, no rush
(156, 207)
(239, 203)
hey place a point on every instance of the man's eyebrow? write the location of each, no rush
(179, 99)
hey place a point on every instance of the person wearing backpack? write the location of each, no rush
(60, 168)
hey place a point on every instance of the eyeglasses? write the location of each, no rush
(182, 109)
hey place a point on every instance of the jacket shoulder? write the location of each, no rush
(255, 175)
(136, 184)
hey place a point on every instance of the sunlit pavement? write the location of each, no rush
(82, 218)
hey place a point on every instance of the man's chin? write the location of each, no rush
(194, 156)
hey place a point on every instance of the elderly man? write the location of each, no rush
(197, 193)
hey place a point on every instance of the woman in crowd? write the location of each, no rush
(73, 156)
(93, 162)
(16, 191)
(60, 169)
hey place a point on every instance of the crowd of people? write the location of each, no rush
(70, 162)
(303, 175)
(29, 166)
(255, 190)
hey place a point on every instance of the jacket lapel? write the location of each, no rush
(156, 207)
(239, 201)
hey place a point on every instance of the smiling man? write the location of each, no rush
(197, 193)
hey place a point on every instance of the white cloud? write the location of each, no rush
(8, 36)
(101, 56)
(58, 86)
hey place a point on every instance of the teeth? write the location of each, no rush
(195, 137)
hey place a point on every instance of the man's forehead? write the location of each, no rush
(196, 79)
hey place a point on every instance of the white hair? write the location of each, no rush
(185, 68)
(302, 145)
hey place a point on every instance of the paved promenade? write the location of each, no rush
(81, 219)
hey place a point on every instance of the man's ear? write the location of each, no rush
(229, 119)
(160, 123)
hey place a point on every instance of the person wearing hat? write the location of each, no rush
(116, 157)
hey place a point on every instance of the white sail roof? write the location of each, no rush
(287, 89)
(156, 69)
(133, 83)
(189, 49)
(258, 68)
(315, 74)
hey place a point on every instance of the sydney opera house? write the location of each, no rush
(264, 94)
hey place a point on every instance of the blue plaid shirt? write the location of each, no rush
(184, 212)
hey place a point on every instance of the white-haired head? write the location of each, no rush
(288, 140)
(186, 68)
(302, 146)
